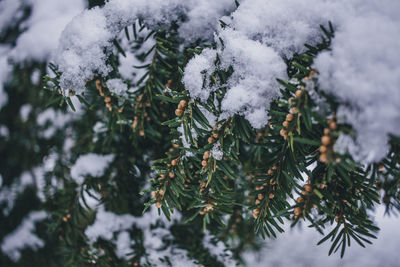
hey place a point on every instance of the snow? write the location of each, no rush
(83, 42)
(363, 72)
(23, 237)
(5, 69)
(107, 224)
(90, 164)
(298, 247)
(10, 13)
(117, 87)
(43, 28)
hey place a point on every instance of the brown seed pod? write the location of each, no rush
(285, 124)
(275, 168)
(206, 155)
(283, 132)
(178, 112)
(255, 213)
(204, 163)
(333, 125)
(209, 207)
(326, 131)
(141, 133)
(260, 196)
(325, 140)
(183, 103)
(294, 110)
(323, 158)
(289, 117)
(300, 200)
(271, 195)
(161, 192)
(107, 99)
(297, 211)
(215, 135)
(337, 217)
(158, 205)
(153, 194)
(298, 93)
(174, 162)
(257, 202)
(210, 140)
(323, 149)
(308, 188)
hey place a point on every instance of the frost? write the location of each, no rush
(90, 164)
(363, 71)
(23, 237)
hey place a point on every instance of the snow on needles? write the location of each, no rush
(23, 236)
(259, 36)
(363, 71)
(83, 42)
(90, 164)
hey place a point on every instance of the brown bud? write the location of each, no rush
(326, 131)
(206, 155)
(285, 124)
(210, 140)
(98, 85)
(283, 132)
(308, 188)
(260, 196)
(209, 207)
(333, 125)
(323, 158)
(337, 217)
(297, 211)
(257, 202)
(174, 162)
(158, 205)
(323, 149)
(141, 133)
(107, 99)
(270, 172)
(178, 112)
(255, 213)
(171, 175)
(183, 103)
(325, 140)
(153, 194)
(215, 135)
(204, 163)
(289, 117)
(298, 93)
(300, 200)
(294, 110)
(275, 168)
(271, 195)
